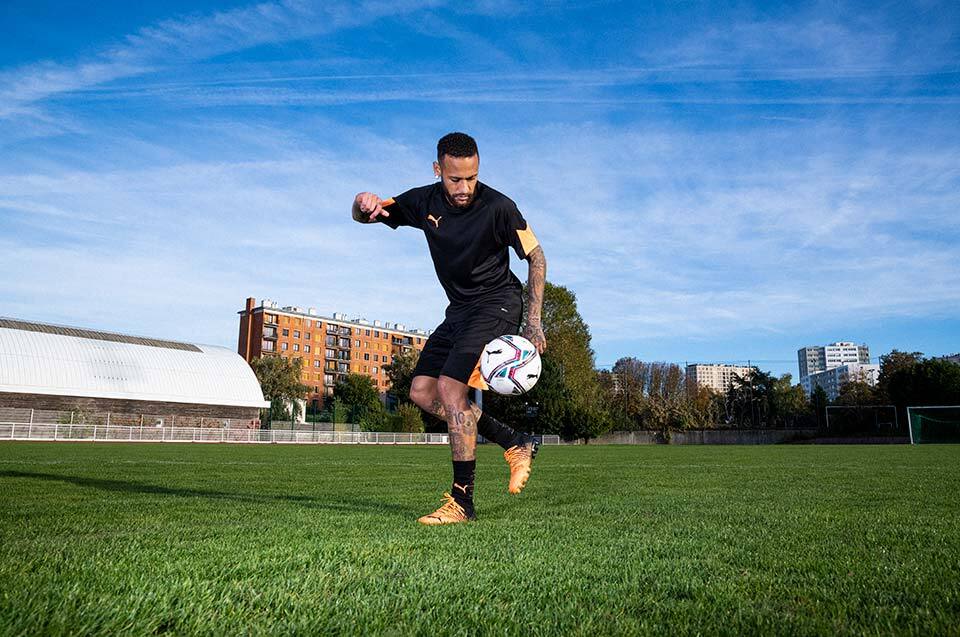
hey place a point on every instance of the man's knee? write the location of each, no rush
(452, 392)
(423, 392)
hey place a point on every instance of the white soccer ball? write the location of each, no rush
(510, 365)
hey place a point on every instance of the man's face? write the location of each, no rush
(459, 178)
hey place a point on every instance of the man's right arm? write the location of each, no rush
(368, 208)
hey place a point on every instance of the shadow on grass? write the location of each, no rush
(342, 504)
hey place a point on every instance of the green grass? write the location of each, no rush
(230, 539)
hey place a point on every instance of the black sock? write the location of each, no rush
(495, 431)
(463, 476)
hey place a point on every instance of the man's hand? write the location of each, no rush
(533, 332)
(367, 208)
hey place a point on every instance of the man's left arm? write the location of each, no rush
(536, 278)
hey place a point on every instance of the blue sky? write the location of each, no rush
(714, 182)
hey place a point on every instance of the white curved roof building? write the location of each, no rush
(38, 359)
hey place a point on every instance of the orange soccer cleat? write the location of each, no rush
(520, 458)
(448, 513)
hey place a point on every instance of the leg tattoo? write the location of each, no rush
(462, 426)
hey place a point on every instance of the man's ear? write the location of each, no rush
(436, 170)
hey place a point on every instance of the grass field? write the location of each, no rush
(221, 539)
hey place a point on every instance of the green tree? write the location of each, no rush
(857, 393)
(408, 419)
(891, 365)
(763, 400)
(933, 381)
(400, 373)
(567, 399)
(359, 395)
(280, 382)
(818, 403)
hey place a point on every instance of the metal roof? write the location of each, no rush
(36, 358)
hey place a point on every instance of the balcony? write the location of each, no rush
(270, 333)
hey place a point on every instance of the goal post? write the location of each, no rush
(934, 424)
(872, 420)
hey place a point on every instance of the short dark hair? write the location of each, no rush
(456, 145)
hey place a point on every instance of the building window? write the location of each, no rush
(306, 349)
(286, 332)
(316, 363)
(344, 342)
(376, 333)
(266, 346)
(357, 343)
(331, 340)
(284, 346)
(296, 333)
(307, 336)
(376, 357)
(296, 347)
(330, 353)
(374, 370)
(366, 357)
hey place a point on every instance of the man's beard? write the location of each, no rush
(456, 204)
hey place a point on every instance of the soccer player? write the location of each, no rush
(469, 228)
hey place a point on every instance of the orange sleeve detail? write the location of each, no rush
(476, 379)
(528, 240)
(387, 202)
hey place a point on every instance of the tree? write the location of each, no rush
(567, 399)
(762, 400)
(891, 365)
(408, 419)
(933, 381)
(359, 395)
(400, 373)
(857, 393)
(818, 403)
(280, 382)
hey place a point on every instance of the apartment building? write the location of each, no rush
(820, 358)
(833, 379)
(717, 377)
(331, 347)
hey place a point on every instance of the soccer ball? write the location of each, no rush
(510, 365)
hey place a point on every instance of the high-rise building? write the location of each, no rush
(331, 347)
(820, 358)
(834, 378)
(716, 376)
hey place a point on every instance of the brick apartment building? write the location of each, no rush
(331, 347)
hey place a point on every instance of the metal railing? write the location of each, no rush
(108, 433)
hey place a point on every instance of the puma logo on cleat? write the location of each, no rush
(435, 220)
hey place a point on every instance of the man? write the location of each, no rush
(469, 228)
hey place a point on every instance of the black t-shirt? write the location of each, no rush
(469, 246)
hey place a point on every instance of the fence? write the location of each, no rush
(109, 433)
(24, 415)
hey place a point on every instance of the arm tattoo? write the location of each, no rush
(535, 283)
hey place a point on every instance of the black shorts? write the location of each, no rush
(455, 347)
